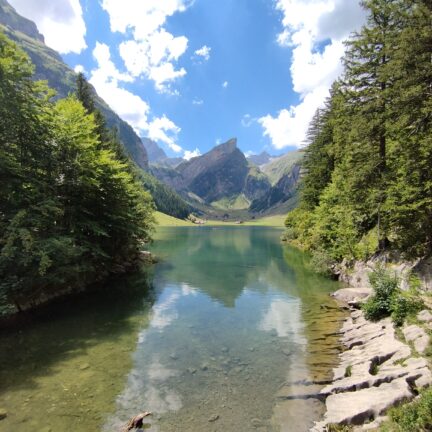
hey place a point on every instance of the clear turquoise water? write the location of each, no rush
(205, 340)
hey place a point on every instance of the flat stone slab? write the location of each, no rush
(359, 406)
(424, 316)
(375, 372)
(417, 336)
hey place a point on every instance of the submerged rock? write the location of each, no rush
(3, 413)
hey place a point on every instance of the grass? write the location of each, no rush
(164, 220)
(238, 202)
(415, 416)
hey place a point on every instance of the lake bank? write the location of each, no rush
(381, 367)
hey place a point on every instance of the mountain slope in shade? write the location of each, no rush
(222, 176)
(154, 152)
(219, 173)
(278, 167)
(285, 189)
(50, 66)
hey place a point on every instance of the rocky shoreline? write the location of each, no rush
(376, 370)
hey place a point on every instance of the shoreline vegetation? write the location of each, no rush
(74, 210)
(366, 201)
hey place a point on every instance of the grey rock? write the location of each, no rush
(359, 406)
(348, 295)
(417, 336)
(213, 418)
(3, 413)
(424, 316)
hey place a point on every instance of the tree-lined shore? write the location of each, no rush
(73, 208)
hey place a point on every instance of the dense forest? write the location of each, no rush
(367, 183)
(73, 208)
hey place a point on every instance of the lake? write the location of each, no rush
(222, 334)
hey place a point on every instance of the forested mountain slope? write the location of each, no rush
(50, 66)
(368, 181)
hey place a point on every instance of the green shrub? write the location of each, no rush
(413, 417)
(389, 300)
(385, 286)
(289, 234)
(322, 263)
(403, 305)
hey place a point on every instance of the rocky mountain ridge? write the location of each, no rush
(225, 178)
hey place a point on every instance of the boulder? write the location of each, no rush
(424, 316)
(359, 406)
(347, 295)
(417, 336)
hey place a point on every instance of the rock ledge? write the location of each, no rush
(376, 371)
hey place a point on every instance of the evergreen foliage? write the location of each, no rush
(368, 183)
(71, 208)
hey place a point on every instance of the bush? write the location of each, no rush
(322, 263)
(389, 300)
(385, 287)
(404, 305)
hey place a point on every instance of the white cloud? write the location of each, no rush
(197, 102)
(60, 21)
(225, 84)
(142, 17)
(247, 120)
(289, 127)
(153, 51)
(315, 30)
(203, 52)
(191, 154)
(130, 107)
(163, 129)
(79, 69)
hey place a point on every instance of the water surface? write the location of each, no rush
(211, 339)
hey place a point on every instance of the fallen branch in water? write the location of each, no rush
(136, 422)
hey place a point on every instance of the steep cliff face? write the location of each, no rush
(257, 184)
(224, 178)
(154, 152)
(220, 173)
(281, 192)
(50, 66)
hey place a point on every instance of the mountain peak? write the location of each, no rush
(260, 159)
(227, 147)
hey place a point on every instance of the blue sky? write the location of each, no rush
(191, 73)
